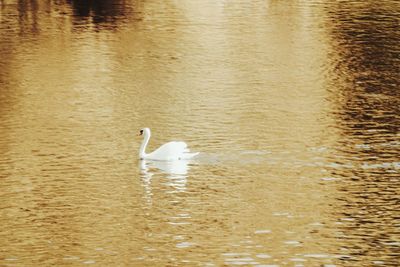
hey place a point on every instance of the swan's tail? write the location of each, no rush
(190, 155)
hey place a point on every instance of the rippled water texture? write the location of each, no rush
(294, 106)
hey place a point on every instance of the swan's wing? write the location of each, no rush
(189, 155)
(169, 151)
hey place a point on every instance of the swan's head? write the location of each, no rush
(144, 131)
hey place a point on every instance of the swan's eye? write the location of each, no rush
(141, 132)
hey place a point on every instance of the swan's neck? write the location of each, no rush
(142, 151)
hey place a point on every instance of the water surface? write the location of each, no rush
(294, 106)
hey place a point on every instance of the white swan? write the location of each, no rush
(167, 152)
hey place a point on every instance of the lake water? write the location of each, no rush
(294, 106)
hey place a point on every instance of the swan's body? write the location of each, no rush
(167, 152)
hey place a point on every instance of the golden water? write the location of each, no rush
(294, 106)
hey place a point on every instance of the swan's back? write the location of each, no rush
(170, 151)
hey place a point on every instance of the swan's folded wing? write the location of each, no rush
(169, 151)
(178, 146)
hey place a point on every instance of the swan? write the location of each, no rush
(168, 152)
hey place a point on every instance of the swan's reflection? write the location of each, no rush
(146, 181)
(172, 168)
(176, 173)
(168, 179)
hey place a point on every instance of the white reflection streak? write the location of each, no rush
(176, 173)
(146, 179)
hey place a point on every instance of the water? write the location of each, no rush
(294, 106)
